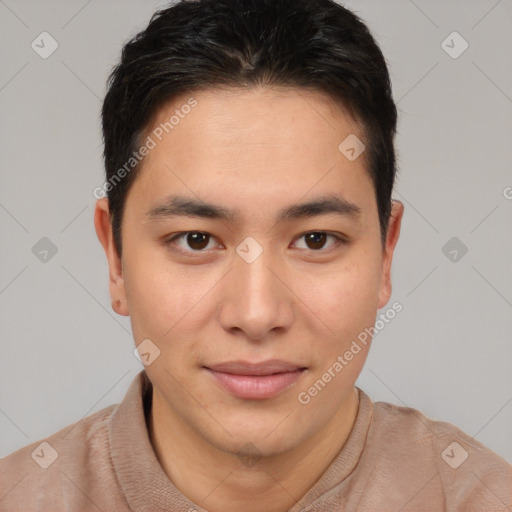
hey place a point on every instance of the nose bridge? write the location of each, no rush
(254, 274)
(258, 301)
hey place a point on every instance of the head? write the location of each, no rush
(250, 162)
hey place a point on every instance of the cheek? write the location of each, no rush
(155, 295)
(164, 298)
(345, 300)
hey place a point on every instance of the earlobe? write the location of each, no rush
(103, 229)
(393, 233)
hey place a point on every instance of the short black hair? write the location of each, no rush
(194, 45)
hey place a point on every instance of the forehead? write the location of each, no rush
(257, 144)
(264, 113)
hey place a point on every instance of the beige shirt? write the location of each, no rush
(395, 459)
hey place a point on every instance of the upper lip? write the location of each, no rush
(261, 368)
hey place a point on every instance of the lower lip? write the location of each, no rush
(256, 386)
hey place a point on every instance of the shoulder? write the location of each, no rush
(412, 428)
(46, 468)
(471, 475)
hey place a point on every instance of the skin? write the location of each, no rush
(255, 150)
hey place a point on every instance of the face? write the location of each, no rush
(249, 295)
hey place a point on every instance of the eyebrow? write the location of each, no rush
(176, 205)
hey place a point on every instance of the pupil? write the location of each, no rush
(197, 240)
(318, 240)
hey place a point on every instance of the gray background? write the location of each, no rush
(66, 354)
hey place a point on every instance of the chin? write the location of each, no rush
(248, 441)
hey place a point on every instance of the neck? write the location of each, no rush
(217, 481)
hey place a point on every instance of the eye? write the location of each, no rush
(315, 240)
(195, 240)
(199, 241)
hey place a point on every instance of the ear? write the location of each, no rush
(395, 221)
(104, 232)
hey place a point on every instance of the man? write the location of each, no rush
(249, 231)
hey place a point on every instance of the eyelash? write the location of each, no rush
(339, 241)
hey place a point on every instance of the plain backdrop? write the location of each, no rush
(65, 354)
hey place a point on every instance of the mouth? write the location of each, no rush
(256, 381)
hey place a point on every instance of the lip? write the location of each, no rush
(256, 381)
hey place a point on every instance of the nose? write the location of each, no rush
(256, 300)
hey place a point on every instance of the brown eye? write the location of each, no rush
(197, 241)
(316, 240)
(194, 241)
